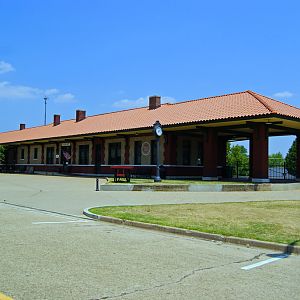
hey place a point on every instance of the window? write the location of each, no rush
(35, 153)
(83, 154)
(114, 154)
(22, 154)
(50, 155)
(153, 152)
(137, 152)
(186, 152)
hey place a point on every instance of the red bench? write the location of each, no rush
(122, 172)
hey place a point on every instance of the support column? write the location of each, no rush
(259, 154)
(28, 154)
(93, 151)
(127, 151)
(57, 160)
(73, 150)
(170, 149)
(298, 157)
(97, 154)
(103, 151)
(251, 157)
(222, 153)
(43, 154)
(210, 158)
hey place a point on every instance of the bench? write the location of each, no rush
(122, 172)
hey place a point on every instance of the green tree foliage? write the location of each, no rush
(276, 160)
(237, 157)
(2, 154)
(291, 158)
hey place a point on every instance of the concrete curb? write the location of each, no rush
(200, 187)
(285, 248)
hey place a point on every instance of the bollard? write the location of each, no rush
(97, 184)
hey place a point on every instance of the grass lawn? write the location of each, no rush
(274, 221)
(172, 181)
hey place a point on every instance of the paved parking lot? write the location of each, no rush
(72, 194)
(46, 255)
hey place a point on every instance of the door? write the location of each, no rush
(65, 157)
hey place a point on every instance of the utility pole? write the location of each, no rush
(45, 119)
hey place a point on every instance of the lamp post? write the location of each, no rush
(157, 130)
(45, 118)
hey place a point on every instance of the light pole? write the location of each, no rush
(157, 130)
(45, 118)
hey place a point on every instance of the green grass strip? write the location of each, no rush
(274, 221)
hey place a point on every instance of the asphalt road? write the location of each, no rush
(46, 255)
(72, 194)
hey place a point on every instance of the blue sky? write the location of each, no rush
(110, 55)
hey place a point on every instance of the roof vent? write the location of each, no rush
(154, 102)
(80, 115)
(56, 120)
(22, 126)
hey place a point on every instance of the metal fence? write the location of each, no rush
(238, 170)
(277, 170)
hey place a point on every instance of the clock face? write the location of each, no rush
(158, 131)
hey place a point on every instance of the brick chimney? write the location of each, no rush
(154, 102)
(56, 120)
(22, 126)
(80, 115)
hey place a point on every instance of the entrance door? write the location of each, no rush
(65, 157)
(98, 158)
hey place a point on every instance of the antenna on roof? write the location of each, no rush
(45, 118)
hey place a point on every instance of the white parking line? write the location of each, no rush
(64, 222)
(264, 262)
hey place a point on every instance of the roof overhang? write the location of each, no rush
(240, 128)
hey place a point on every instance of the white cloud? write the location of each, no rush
(51, 92)
(125, 103)
(65, 98)
(167, 99)
(285, 94)
(10, 91)
(140, 102)
(5, 67)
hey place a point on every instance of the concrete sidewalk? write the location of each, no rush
(72, 194)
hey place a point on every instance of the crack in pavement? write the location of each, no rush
(178, 281)
(36, 193)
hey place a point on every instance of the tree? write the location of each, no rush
(237, 157)
(276, 159)
(291, 158)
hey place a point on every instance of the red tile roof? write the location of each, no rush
(230, 106)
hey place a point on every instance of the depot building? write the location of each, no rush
(192, 143)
